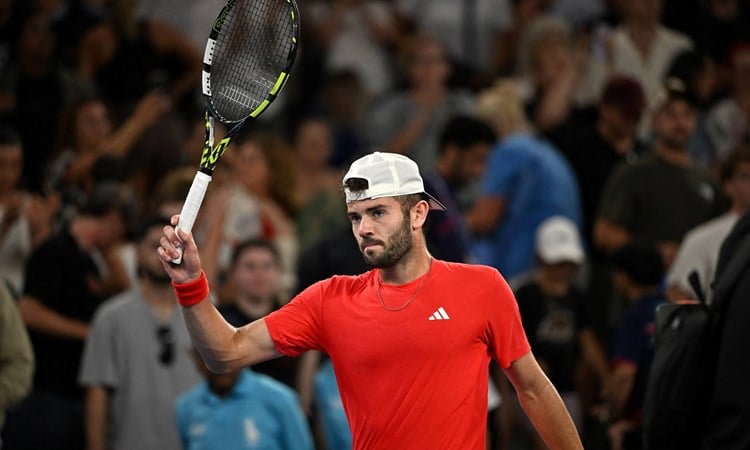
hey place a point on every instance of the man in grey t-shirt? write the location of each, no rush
(137, 360)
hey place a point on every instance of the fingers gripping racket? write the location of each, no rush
(247, 61)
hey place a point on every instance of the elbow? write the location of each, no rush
(218, 367)
(221, 366)
(222, 360)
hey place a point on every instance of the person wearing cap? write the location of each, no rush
(410, 340)
(639, 271)
(554, 316)
(662, 196)
(595, 149)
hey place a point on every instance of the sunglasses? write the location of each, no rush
(166, 341)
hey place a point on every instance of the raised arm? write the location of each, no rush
(223, 347)
(543, 404)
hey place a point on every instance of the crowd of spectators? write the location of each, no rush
(595, 152)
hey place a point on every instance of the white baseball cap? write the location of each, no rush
(387, 175)
(557, 240)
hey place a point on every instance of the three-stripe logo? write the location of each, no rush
(440, 314)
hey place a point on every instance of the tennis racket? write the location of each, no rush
(247, 61)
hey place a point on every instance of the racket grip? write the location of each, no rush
(192, 205)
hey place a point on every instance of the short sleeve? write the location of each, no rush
(505, 333)
(98, 364)
(295, 328)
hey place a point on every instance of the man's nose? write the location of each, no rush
(365, 227)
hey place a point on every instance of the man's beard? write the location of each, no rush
(157, 278)
(398, 244)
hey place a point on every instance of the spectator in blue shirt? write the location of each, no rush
(241, 410)
(526, 182)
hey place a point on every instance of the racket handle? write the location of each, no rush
(192, 205)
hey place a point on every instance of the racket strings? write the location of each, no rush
(251, 51)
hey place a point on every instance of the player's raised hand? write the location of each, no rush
(190, 267)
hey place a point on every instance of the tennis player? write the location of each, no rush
(410, 340)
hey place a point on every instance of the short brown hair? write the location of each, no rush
(256, 243)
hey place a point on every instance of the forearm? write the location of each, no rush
(548, 414)
(542, 404)
(96, 418)
(618, 390)
(609, 236)
(212, 336)
(117, 279)
(125, 136)
(223, 347)
(44, 320)
(485, 215)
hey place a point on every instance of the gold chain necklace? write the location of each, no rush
(424, 280)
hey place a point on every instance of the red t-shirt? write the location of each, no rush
(414, 378)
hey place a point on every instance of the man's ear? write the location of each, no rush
(419, 214)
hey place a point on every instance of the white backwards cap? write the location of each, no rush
(387, 175)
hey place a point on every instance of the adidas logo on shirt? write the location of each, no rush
(440, 314)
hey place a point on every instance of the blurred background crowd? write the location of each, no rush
(596, 152)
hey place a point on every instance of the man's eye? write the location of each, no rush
(378, 213)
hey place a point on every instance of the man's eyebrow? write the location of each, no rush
(376, 207)
(370, 210)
